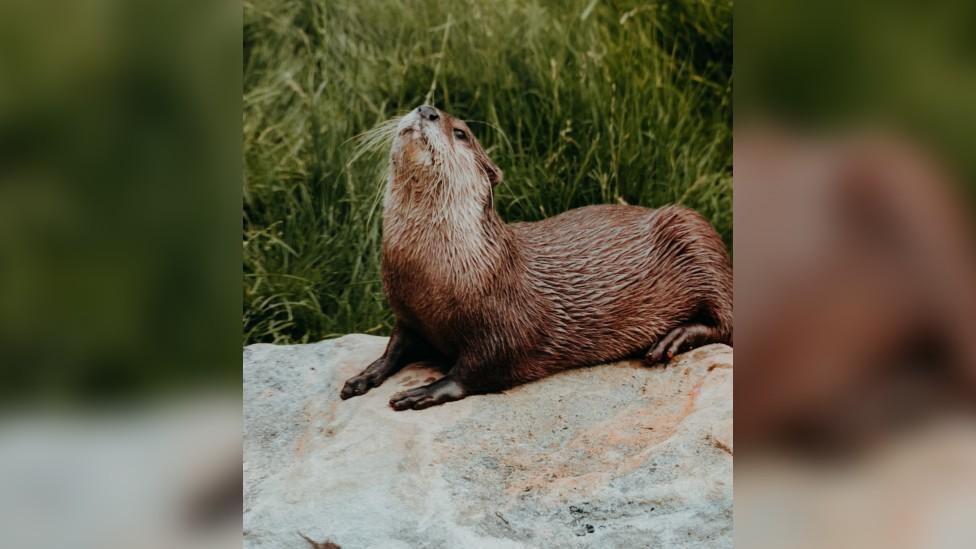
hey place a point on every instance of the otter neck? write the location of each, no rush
(461, 239)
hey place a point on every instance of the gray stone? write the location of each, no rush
(620, 455)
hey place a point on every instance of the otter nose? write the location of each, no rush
(428, 113)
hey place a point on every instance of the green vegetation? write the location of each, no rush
(579, 102)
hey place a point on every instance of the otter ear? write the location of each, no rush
(493, 172)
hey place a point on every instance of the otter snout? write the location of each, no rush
(427, 112)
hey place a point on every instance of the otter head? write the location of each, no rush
(439, 200)
(435, 154)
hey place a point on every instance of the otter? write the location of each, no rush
(497, 305)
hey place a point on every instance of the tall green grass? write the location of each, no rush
(579, 102)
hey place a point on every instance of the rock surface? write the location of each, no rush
(620, 455)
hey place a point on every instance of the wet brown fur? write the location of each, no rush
(503, 304)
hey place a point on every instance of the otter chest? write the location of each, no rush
(429, 301)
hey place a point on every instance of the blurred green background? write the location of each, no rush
(835, 66)
(579, 102)
(119, 185)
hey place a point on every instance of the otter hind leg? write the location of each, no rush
(445, 389)
(681, 339)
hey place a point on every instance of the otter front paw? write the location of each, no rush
(446, 389)
(360, 385)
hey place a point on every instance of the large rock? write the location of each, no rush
(620, 455)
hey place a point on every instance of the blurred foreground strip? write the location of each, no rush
(855, 276)
(166, 478)
(855, 288)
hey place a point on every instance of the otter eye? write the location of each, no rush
(459, 134)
